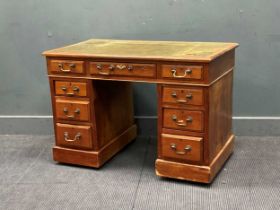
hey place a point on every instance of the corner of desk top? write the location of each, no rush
(232, 46)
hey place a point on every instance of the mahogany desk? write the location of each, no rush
(93, 111)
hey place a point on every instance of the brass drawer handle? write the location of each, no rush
(130, 68)
(63, 88)
(182, 123)
(99, 68)
(65, 110)
(111, 67)
(77, 137)
(188, 97)
(187, 149)
(72, 65)
(181, 101)
(174, 73)
(75, 89)
(70, 94)
(103, 73)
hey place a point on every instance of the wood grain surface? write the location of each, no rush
(139, 49)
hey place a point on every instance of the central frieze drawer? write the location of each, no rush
(72, 109)
(183, 119)
(122, 69)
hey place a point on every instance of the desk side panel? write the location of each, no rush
(220, 114)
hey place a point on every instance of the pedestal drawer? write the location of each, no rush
(183, 119)
(186, 96)
(72, 109)
(181, 147)
(71, 88)
(74, 136)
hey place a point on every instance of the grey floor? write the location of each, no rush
(29, 179)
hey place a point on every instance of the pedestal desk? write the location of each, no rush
(91, 93)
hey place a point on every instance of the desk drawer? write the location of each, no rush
(70, 88)
(75, 136)
(183, 119)
(182, 147)
(123, 69)
(72, 110)
(187, 96)
(181, 72)
(66, 67)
